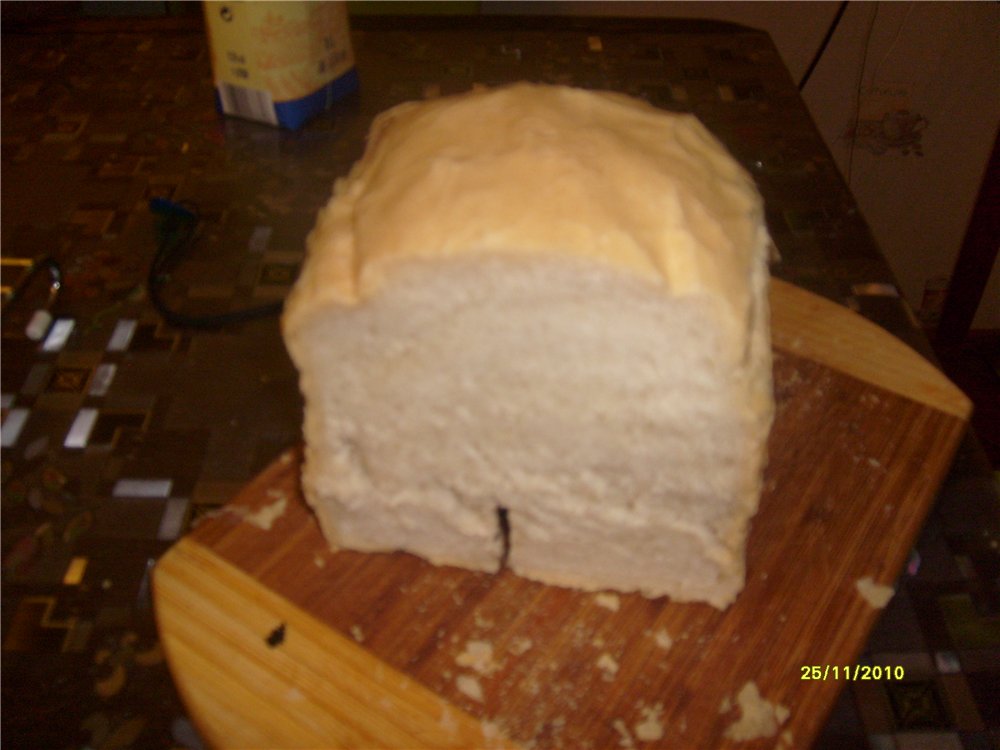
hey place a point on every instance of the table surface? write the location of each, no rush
(132, 431)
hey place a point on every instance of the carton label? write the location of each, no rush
(266, 53)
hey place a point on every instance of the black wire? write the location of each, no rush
(178, 225)
(857, 100)
(823, 45)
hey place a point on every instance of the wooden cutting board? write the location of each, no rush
(275, 641)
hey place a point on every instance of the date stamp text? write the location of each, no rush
(852, 672)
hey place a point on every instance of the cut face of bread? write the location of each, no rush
(552, 328)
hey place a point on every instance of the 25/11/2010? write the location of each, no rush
(854, 673)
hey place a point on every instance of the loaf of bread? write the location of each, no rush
(532, 330)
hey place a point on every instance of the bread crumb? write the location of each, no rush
(357, 633)
(650, 729)
(319, 561)
(608, 601)
(294, 695)
(663, 639)
(876, 594)
(447, 721)
(758, 717)
(266, 515)
(625, 739)
(608, 664)
(287, 457)
(478, 655)
(470, 687)
(519, 645)
(491, 733)
(482, 622)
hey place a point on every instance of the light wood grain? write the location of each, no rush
(314, 689)
(853, 471)
(820, 330)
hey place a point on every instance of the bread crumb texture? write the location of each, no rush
(650, 729)
(470, 687)
(607, 664)
(265, 516)
(624, 737)
(478, 656)
(663, 639)
(447, 720)
(519, 645)
(876, 594)
(608, 601)
(758, 717)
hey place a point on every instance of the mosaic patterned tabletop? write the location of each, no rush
(120, 432)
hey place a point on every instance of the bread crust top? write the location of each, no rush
(532, 169)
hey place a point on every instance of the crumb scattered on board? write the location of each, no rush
(266, 515)
(447, 721)
(491, 732)
(624, 738)
(608, 601)
(650, 729)
(469, 686)
(607, 663)
(482, 622)
(319, 561)
(876, 594)
(478, 656)
(758, 717)
(357, 633)
(663, 639)
(519, 645)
